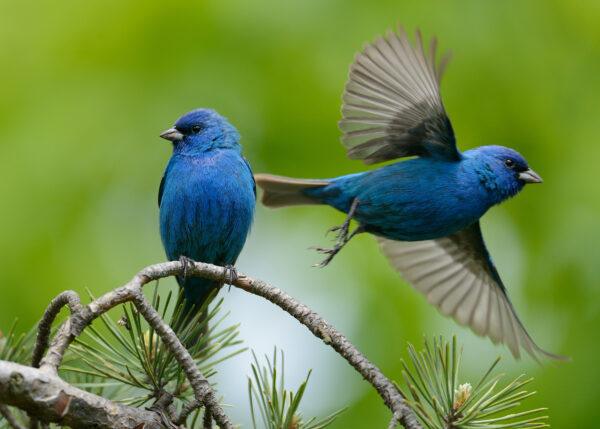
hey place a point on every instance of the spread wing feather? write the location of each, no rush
(456, 274)
(392, 105)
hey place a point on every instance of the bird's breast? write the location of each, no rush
(206, 208)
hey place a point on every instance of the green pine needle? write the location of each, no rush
(439, 401)
(131, 363)
(277, 407)
(17, 348)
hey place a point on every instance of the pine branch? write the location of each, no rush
(60, 402)
(321, 329)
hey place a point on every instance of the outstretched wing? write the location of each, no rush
(392, 106)
(456, 275)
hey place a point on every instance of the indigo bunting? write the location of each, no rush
(423, 211)
(206, 199)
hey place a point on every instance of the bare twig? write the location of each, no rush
(207, 420)
(330, 336)
(203, 391)
(45, 326)
(394, 421)
(187, 410)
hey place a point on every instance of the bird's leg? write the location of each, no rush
(331, 252)
(186, 262)
(230, 275)
(344, 228)
(342, 236)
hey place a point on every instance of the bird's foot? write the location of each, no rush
(332, 251)
(230, 274)
(343, 229)
(187, 263)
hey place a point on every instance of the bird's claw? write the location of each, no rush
(331, 252)
(187, 263)
(332, 229)
(342, 237)
(342, 231)
(230, 274)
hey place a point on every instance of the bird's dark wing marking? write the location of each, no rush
(392, 106)
(456, 275)
(250, 169)
(161, 188)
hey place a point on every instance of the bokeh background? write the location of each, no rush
(86, 87)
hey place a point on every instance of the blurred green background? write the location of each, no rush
(86, 88)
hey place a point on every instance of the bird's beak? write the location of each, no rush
(530, 176)
(172, 134)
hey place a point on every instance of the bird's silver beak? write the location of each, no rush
(530, 176)
(172, 134)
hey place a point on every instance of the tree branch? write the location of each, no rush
(50, 399)
(132, 291)
(330, 336)
(45, 326)
(45, 396)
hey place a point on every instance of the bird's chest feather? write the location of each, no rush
(207, 206)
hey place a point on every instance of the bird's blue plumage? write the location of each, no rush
(426, 198)
(206, 197)
(424, 211)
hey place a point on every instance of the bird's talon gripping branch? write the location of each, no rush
(186, 262)
(230, 275)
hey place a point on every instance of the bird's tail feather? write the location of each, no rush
(280, 191)
(191, 319)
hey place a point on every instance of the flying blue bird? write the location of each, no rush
(206, 198)
(423, 211)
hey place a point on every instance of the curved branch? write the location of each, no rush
(321, 329)
(52, 406)
(45, 325)
(332, 337)
(203, 391)
(132, 291)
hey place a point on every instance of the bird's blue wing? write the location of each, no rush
(161, 188)
(392, 104)
(251, 175)
(456, 275)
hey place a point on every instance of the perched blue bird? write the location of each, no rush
(424, 211)
(206, 198)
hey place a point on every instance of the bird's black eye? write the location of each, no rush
(509, 163)
(196, 129)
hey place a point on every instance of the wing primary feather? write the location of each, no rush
(393, 86)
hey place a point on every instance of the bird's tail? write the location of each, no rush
(280, 191)
(191, 321)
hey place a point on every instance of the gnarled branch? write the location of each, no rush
(47, 397)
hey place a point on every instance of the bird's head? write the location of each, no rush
(502, 171)
(202, 130)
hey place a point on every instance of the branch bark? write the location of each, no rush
(81, 317)
(51, 399)
(44, 395)
(330, 336)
